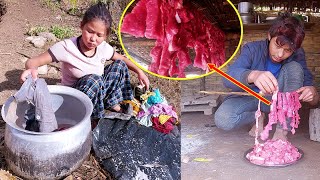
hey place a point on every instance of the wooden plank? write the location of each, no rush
(314, 124)
(210, 100)
(207, 110)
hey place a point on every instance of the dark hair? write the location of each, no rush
(98, 11)
(288, 30)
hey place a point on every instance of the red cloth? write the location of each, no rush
(164, 128)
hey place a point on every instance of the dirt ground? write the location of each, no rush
(20, 16)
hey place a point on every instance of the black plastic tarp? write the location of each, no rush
(129, 150)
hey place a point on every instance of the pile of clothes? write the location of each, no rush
(156, 112)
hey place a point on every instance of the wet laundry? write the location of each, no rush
(40, 115)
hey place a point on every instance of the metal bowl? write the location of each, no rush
(276, 165)
(38, 155)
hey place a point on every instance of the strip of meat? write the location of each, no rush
(184, 61)
(283, 106)
(134, 23)
(257, 116)
(155, 53)
(178, 26)
(154, 29)
(174, 70)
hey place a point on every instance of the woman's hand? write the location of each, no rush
(143, 79)
(26, 73)
(308, 94)
(264, 80)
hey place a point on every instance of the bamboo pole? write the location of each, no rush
(226, 93)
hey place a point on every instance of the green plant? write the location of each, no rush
(33, 31)
(54, 5)
(62, 32)
(74, 6)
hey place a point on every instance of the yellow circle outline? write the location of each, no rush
(171, 78)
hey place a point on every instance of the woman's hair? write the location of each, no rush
(98, 11)
(288, 30)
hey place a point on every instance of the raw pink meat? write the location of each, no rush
(272, 152)
(155, 53)
(184, 15)
(185, 61)
(283, 106)
(277, 152)
(177, 27)
(174, 70)
(154, 29)
(177, 4)
(134, 22)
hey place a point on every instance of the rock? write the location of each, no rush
(24, 59)
(49, 36)
(30, 38)
(43, 69)
(39, 41)
(70, 177)
(59, 17)
(52, 70)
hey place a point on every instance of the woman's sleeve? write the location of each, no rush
(109, 51)
(58, 51)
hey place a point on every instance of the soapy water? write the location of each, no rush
(63, 124)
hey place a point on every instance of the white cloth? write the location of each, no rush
(76, 65)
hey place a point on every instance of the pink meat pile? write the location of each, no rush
(283, 105)
(177, 27)
(272, 153)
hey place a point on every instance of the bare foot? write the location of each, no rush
(280, 134)
(252, 132)
(116, 108)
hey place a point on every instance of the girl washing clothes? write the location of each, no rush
(83, 61)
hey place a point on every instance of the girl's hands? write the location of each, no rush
(143, 79)
(24, 75)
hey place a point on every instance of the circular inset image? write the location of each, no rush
(177, 39)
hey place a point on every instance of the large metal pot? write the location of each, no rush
(246, 18)
(35, 155)
(245, 7)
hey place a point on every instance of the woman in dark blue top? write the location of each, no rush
(277, 63)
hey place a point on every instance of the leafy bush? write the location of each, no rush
(33, 31)
(62, 32)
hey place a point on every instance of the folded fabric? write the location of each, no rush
(40, 111)
(164, 128)
(156, 98)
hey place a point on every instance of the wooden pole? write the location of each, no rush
(226, 93)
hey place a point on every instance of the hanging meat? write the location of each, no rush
(177, 27)
(283, 105)
(277, 152)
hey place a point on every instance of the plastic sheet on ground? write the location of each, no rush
(132, 151)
